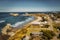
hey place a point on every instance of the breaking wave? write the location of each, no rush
(19, 24)
(2, 21)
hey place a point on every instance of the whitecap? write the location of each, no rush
(2, 21)
(21, 23)
(18, 24)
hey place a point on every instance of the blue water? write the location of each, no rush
(11, 19)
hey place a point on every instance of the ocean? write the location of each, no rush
(5, 18)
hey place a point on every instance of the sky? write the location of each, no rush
(29, 5)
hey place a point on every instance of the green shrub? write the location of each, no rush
(48, 34)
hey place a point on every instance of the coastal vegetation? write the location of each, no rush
(47, 35)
